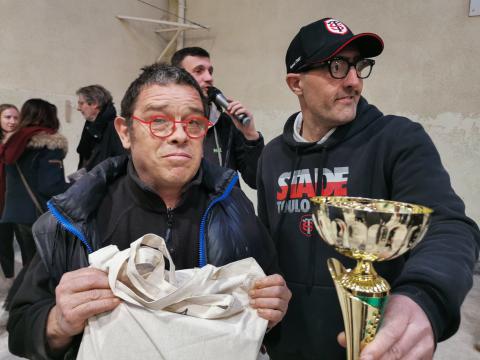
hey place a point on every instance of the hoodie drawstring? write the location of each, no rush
(315, 238)
(295, 164)
(312, 260)
(229, 146)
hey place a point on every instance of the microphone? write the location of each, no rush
(216, 96)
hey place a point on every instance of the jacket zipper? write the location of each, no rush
(202, 246)
(68, 226)
(168, 235)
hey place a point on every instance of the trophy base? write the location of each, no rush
(362, 311)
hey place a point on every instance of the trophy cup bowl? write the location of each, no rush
(366, 230)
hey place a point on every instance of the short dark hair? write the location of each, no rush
(38, 112)
(157, 74)
(181, 54)
(95, 94)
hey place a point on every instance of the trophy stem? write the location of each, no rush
(362, 294)
(364, 282)
(365, 268)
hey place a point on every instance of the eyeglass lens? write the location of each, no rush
(339, 68)
(194, 127)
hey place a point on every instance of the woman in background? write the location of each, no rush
(9, 119)
(33, 170)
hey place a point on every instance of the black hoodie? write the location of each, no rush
(375, 156)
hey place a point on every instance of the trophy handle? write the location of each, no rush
(361, 314)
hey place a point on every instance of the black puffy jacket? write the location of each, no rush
(229, 231)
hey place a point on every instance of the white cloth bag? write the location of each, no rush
(200, 313)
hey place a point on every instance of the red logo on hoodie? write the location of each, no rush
(306, 225)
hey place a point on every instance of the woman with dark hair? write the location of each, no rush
(31, 170)
(9, 119)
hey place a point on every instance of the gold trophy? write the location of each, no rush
(366, 230)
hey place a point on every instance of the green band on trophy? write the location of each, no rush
(375, 302)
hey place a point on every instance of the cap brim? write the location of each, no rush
(368, 44)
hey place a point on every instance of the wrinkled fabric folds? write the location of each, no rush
(200, 313)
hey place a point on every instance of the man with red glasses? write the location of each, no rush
(164, 187)
(340, 145)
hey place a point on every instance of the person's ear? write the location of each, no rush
(294, 83)
(123, 131)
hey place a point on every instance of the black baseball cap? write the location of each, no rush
(325, 38)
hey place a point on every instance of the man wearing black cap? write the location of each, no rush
(339, 145)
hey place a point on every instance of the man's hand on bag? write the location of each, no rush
(405, 333)
(79, 295)
(270, 296)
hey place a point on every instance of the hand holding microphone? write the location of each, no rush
(216, 96)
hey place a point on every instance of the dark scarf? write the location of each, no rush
(11, 151)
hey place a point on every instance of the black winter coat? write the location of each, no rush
(99, 139)
(42, 165)
(65, 236)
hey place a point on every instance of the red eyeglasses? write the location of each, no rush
(162, 126)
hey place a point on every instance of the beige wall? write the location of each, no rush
(50, 48)
(428, 70)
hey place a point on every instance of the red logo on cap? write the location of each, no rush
(336, 27)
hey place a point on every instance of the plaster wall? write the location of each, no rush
(427, 71)
(50, 48)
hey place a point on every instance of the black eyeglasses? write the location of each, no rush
(339, 67)
(163, 126)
